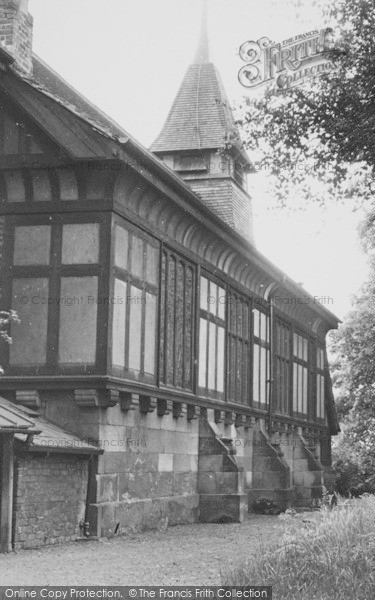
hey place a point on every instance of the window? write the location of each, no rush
(191, 162)
(320, 382)
(78, 314)
(300, 373)
(282, 367)
(261, 357)
(239, 323)
(29, 337)
(135, 305)
(177, 321)
(80, 244)
(55, 298)
(212, 338)
(32, 245)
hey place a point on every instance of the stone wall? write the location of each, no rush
(286, 469)
(221, 478)
(50, 499)
(147, 476)
(161, 465)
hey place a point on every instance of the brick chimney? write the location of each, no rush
(16, 32)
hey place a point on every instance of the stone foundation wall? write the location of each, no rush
(50, 499)
(147, 476)
(157, 470)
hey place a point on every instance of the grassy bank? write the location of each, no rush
(328, 555)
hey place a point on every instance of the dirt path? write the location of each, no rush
(184, 555)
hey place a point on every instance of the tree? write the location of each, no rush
(354, 377)
(318, 139)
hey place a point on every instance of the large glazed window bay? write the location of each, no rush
(55, 271)
(134, 324)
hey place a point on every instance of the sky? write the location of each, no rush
(129, 56)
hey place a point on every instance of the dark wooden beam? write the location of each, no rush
(6, 491)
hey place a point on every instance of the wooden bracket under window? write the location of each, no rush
(29, 398)
(96, 398)
(128, 401)
(164, 407)
(147, 404)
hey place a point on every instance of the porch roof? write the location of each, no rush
(39, 434)
(13, 420)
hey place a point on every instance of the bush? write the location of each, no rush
(355, 469)
(328, 555)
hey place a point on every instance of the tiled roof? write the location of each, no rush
(200, 116)
(39, 433)
(48, 81)
(73, 123)
(13, 419)
(53, 438)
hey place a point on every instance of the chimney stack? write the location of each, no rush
(16, 32)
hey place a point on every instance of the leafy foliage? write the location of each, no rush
(317, 142)
(318, 138)
(354, 377)
(6, 318)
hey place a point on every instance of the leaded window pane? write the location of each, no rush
(80, 243)
(78, 320)
(29, 337)
(32, 245)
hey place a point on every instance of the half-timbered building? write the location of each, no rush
(162, 369)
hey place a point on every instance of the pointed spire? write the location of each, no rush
(202, 53)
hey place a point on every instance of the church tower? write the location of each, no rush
(200, 141)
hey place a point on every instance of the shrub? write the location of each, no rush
(354, 466)
(329, 555)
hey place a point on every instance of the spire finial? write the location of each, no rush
(202, 53)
